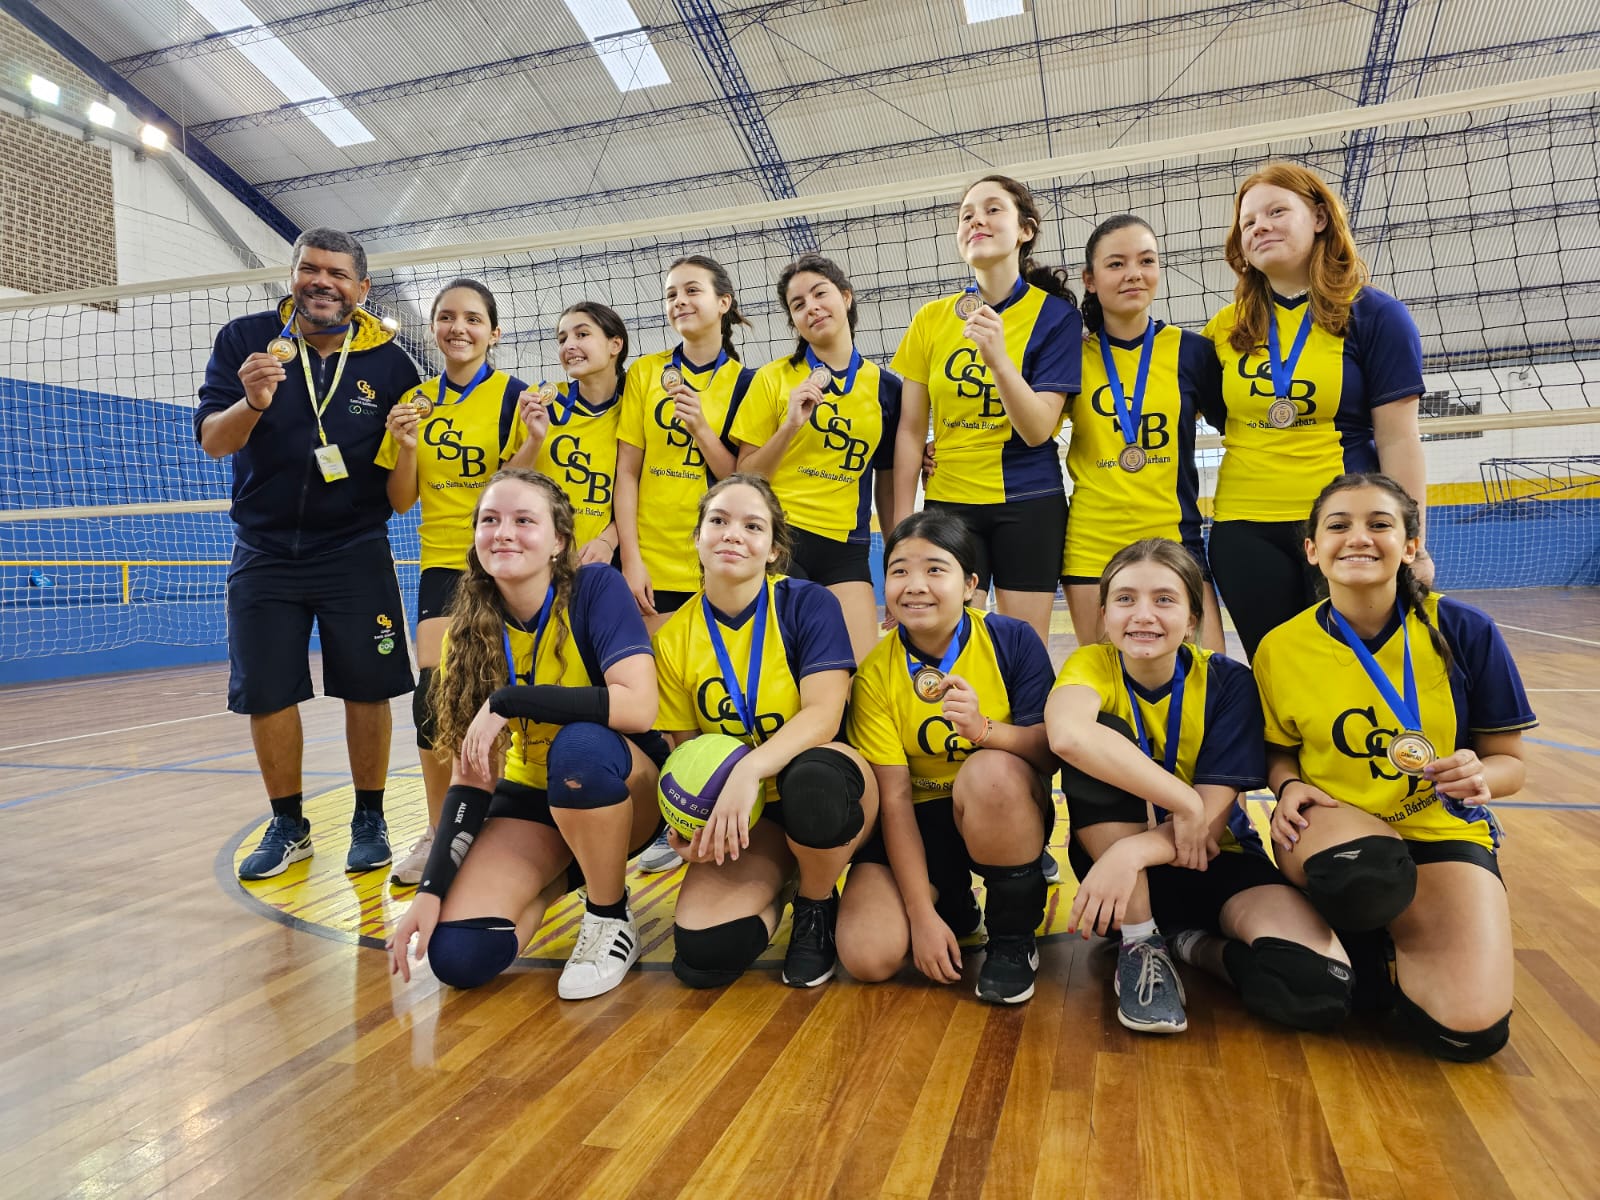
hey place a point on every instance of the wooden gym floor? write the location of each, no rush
(163, 1033)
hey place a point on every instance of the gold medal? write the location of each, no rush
(967, 304)
(1281, 414)
(928, 683)
(671, 377)
(547, 391)
(420, 405)
(820, 378)
(1132, 458)
(1411, 752)
(281, 348)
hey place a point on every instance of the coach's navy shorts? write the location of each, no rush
(353, 596)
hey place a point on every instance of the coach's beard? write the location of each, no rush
(306, 318)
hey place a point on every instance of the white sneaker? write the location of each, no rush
(408, 871)
(607, 947)
(659, 856)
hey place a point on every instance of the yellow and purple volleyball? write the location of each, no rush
(692, 779)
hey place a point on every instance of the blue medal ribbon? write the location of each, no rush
(958, 642)
(560, 414)
(1283, 368)
(289, 331)
(744, 700)
(1017, 290)
(1129, 415)
(483, 372)
(1406, 708)
(538, 632)
(835, 386)
(685, 366)
(1169, 751)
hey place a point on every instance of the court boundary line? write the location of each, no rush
(1565, 637)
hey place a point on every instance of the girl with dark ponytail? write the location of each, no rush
(992, 368)
(1131, 456)
(1394, 716)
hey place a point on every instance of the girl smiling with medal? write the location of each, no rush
(1321, 374)
(444, 440)
(1146, 720)
(949, 713)
(1393, 717)
(992, 368)
(1131, 455)
(818, 424)
(765, 659)
(545, 693)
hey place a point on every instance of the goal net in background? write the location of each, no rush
(1479, 211)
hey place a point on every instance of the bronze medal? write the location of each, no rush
(1132, 458)
(281, 348)
(820, 378)
(967, 304)
(671, 377)
(1411, 752)
(1281, 414)
(928, 683)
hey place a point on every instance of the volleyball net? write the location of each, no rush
(1479, 210)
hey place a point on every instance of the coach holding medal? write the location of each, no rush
(298, 396)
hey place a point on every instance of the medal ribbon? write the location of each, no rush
(538, 632)
(1406, 708)
(744, 700)
(1169, 751)
(958, 643)
(685, 366)
(560, 414)
(834, 385)
(1283, 368)
(483, 372)
(1016, 294)
(1129, 415)
(338, 372)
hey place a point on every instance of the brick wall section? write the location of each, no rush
(57, 214)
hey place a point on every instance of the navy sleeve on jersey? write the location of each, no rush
(1233, 752)
(1053, 361)
(222, 389)
(605, 620)
(814, 633)
(889, 402)
(1495, 699)
(741, 386)
(1024, 665)
(1388, 347)
(1200, 376)
(508, 407)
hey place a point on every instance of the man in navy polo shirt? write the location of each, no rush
(298, 397)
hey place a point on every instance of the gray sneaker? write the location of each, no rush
(408, 871)
(1149, 992)
(659, 856)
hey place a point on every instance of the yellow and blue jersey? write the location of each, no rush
(1271, 474)
(1112, 507)
(824, 479)
(1220, 729)
(1320, 702)
(579, 452)
(1001, 657)
(460, 445)
(674, 475)
(982, 459)
(599, 628)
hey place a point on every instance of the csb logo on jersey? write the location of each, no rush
(936, 735)
(836, 436)
(567, 452)
(1153, 432)
(440, 433)
(1259, 376)
(967, 371)
(678, 437)
(716, 706)
(1357, 734)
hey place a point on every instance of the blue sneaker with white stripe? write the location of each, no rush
(287, 840)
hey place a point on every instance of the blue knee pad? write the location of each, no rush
(422, 714)
(822, 791)
(715, 957)
(468, 954)
(588, 767)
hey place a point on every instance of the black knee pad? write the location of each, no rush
(822, 792)
(422, 715)
(467, 954)
(1361, 884)
(1289, 983)
(1014, 903)
(715, 957)
(587, 766)
(1452, 1044)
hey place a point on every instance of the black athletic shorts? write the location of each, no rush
(670, 602)
(1019, 541)
(436, 587)
(1262, 574)
(1197, 551)
(825, 561)
(354, 598)
(1423, 853)
(1181, 898)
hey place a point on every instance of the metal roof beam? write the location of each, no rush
(1387, 22)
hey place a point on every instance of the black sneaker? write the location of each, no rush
(1008, 970)
(811, 956)
(1051, 868)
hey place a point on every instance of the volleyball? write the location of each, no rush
(692, 779)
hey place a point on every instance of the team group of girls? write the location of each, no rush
(1384, 718)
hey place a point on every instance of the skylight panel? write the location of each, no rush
(623, 47)
(992, 10)
(283, 70)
